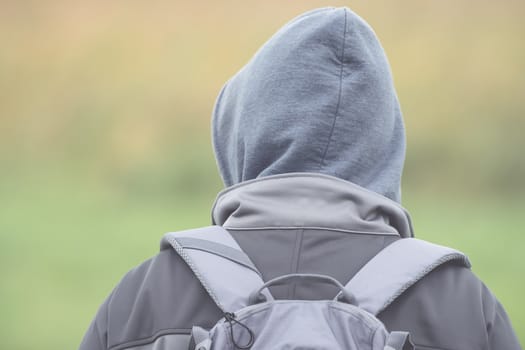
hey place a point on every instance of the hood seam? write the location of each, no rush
(340, 92)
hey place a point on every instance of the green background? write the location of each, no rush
(105, 143)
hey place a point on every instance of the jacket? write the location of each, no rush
(301, 223)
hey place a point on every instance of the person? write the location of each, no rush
(309, 141)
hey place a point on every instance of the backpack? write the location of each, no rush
(253, 319)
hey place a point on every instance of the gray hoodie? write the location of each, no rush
(309, 140)
(317, 97)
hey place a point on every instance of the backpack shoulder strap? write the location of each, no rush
(223, 269)
(396, 268)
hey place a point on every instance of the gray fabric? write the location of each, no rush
(204, 345)
(318, 97)
(227, 282)
(288, 324)
(278, 252)
(214, 234)
(222, 250)
(199, 334)
(396, 268)
(324, 201)
(398, 341)
(165, 342)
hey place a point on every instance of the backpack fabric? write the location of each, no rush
(253, 319)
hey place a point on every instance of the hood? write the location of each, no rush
(317, 97)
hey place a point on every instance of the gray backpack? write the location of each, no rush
(254, 320)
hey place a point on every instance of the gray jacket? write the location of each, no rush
(307, 223)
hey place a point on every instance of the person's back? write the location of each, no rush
(309, 140)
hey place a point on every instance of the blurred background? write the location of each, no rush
(105, 143)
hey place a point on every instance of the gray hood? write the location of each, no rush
(317, 97)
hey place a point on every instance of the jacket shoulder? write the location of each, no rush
(158, 297)
(445, 306)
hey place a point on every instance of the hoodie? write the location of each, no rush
(317, 97)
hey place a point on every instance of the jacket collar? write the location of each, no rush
(309, 200)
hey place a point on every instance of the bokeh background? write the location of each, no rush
(105, 144)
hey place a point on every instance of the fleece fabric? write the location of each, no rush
(317, 97)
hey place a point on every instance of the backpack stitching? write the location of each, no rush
(180, 250)
(442, 260)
